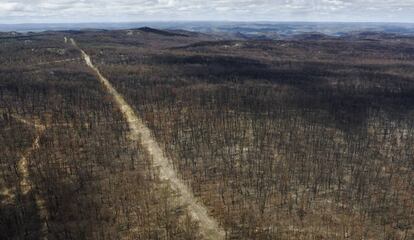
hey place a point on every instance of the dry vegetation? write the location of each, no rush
(279, 139)
(94, 183)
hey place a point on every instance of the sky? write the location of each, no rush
(75, 11)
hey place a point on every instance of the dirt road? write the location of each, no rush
(26, 185)
(140, 133)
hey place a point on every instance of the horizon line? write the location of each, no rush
(209, 21)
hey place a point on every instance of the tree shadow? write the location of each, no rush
(20, 219)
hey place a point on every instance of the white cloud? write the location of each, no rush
(139, 10)
(11, 7)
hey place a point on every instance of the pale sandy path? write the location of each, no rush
(25, 183)
(57, 61)
(140, 133)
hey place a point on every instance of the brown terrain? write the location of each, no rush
(153, 134)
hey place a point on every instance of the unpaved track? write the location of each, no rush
(22, 164)
(58, 61)
(25, 183)
(140, 133)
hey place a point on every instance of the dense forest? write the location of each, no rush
(289, 139)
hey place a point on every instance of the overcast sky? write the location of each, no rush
(67, 11)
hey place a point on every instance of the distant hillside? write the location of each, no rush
(161, 32)
(248, 29)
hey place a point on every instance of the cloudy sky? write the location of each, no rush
(64, 11)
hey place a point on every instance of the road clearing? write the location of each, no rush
(140, 133)
(25, 183)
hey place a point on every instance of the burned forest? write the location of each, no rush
(156, 134)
